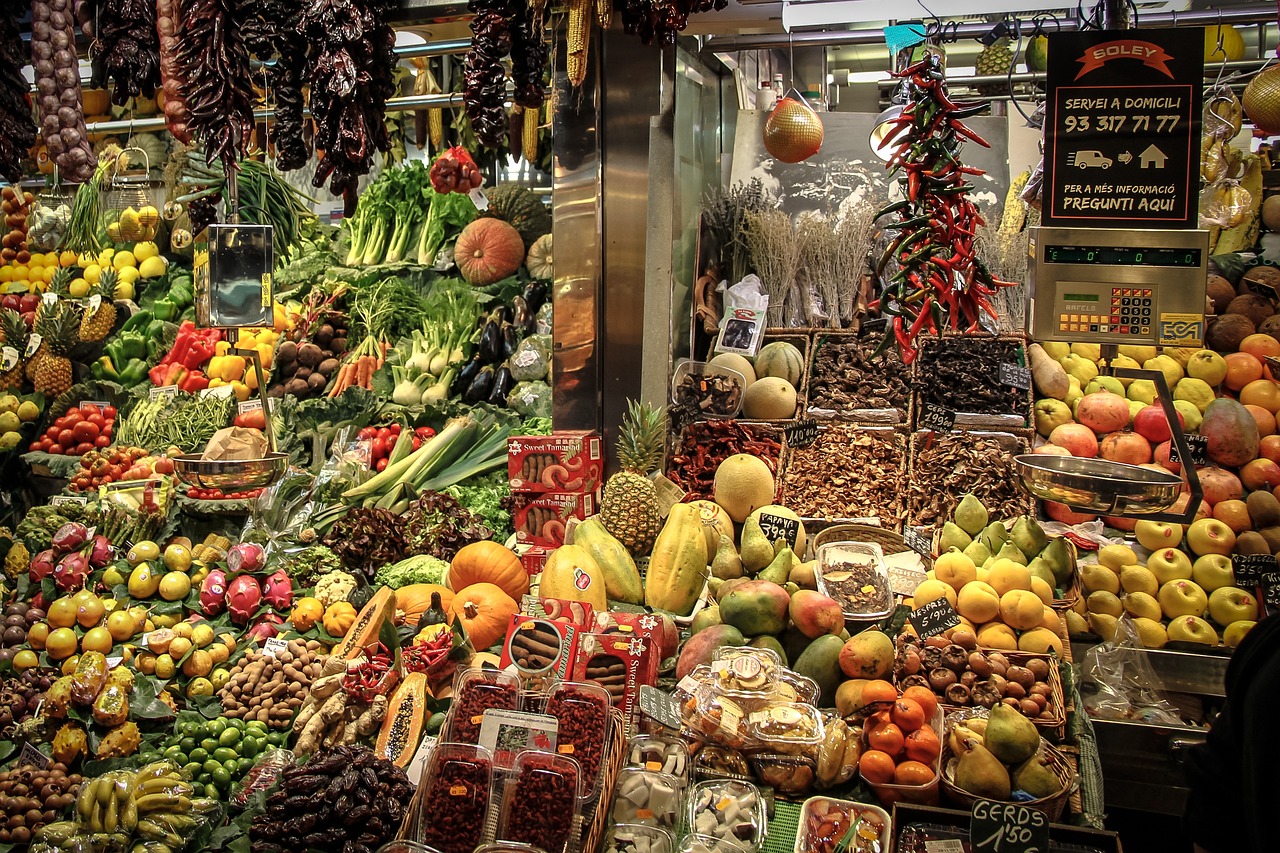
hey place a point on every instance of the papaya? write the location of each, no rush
(364, 631)
(572, 574)
(406, 715)
(678, 565)
(621, 577)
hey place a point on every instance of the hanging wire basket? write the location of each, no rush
(128, 211)
(50, 215)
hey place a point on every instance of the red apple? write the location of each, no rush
(28, 302)
(1152, 425)
(1260, 474)
(1103, 412)
(11, 302)
(1125, 446)
(1219, 485)
(1076, 438)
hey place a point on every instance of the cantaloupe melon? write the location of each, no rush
(733, 361)
(780, 359)
(770, 398)
(743, 484)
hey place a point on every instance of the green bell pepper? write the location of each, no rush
(139, 321)
(127, 345)
(104, 369)
(133, 373)
(181, 292)
(166, 309)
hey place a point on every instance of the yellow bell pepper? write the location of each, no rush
(248, 340)
(266, 352)
(221, 348)
(217, 383)
(251, 378)
(241, 391)
(227, 367)
(279, 318)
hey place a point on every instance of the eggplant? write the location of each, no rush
(510, 340)
(535, 293)
(465, 375)
(503, 314)
(480, 386)
(524, 319)
(490, 348)
(503, 382)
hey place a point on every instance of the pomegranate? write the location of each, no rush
(1076, 438)
(246, 557)
(213, 593)
(278, 590)
(1103, 412)
(243, 597)
(1125, 446)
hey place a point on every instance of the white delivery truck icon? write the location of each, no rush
(1089, 158)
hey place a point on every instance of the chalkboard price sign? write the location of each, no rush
(936, 418)
(777, 527)
(1198, 445)
(1015, 376)
(1007, 828)
(1270, 583)
(802, 433)
(934, 618)
(917, 541)
(1249, 569)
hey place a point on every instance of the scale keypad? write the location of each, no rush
(1130, 314)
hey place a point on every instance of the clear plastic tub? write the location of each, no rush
(786, 774)
(508, 847)
(824, 822)
(719, 762)
(806, 690)
(746, 671)
(854, 575)
(715, 717)
(583, 713)
(649, 798)
(637, 838)
(540, 805)
(922, 795)
(708, 844)
(458, 779)
(714, 390)
(660, 753)
(474, 692)
(787, 729)
(730, 811)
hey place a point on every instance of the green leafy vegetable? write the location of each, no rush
(421, 568)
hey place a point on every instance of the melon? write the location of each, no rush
(783, 512)
(780, 359)
(733, 361)
(1271, 212)
(770, 398)
(743, 484)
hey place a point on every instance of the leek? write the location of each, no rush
(487, 453)
(447, 444)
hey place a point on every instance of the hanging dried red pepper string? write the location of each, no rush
(940, 282)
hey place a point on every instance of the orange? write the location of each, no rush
(1234, 514)
(924, 697)
(878, 691)
(907, 715)
(877, 767)
(913, 773)
(922, 745)
(887, 738)
(1260, 346)
(1242, 369)
(1261, 392)
(1265, 420)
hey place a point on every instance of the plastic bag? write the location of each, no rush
(531, 360)
(281, 513)
(264, 773)
(531, 399)
(1119, 683)
(455, 172)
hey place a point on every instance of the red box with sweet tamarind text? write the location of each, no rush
(540, 519)
(620, 663)
(570, 461)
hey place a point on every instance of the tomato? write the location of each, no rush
(34, 447)
(367, 432)
(384, 433)
(89, 409)
(417, 442)
(71, 418)
(102, 441)
(52, 432)
(109, 413)
(85, 431)
(97, 420)
(164, 465)
(378, 449)
(66, 438)
(82, 448)
(395, 429)
(107, 430)
(55, 449)
(424, 432)
(381, 464)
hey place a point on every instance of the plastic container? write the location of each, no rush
(786, 774)
(715, 717)
(787, 729)
(637, 838)
(824, 822)
(403, 846)
(508, 847)
(540, 805)
(730, 811)
(697, 843)
(716, 391)
(458, 780)
(743, 671)
(719, 762)
(476, 691)
(583, 713)
(806, 690)
(660, 753)
(648, 798)
(854, 574)
(922, 795)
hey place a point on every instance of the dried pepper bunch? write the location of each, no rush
(17, 134)
(212, 53)
(126, 50)
(173, 78)
(351, 70)
(934, 276)
(661, 21)
(529, 54)
(367, 539)
(271, 31)
(484, 81)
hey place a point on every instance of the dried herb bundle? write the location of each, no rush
(724, 215)
(775, 254)
(833, 257)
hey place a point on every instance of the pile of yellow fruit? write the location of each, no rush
(228, 368)
(143, 261)
(34, 275)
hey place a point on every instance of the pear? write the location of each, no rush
(1040, 568)
(756, 551)
(994, 536)
(977, 552)
(953, 536)
(1009, 551)
(981, 773)
(1010, 736)
(970, 515)
(1058, 555)
(1028, 536)
(1034, 777)
(726, 564)
(780, 569)
(804, 575)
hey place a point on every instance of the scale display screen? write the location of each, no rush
(1121, 256)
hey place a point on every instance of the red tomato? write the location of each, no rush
(52, 432)
(367, 432)
(164, 465)
(85, 431)
(107, 430)
(71, 418)
(102, 441)
(45, 444)
(417, 442)
(55, 449)
(380, 464)
(384, 433)
(109, 413)
(97, 420)
(395, 429)
(89, 409)
(66, 438)
(33, 447)
(424, 432)
(82, 448)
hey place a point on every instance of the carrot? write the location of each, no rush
(344, 379)
(363, 372)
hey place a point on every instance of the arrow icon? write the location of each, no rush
(1125, 157)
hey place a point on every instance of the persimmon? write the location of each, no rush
(878, 691)
(907, 714)
(924, 697)
(922, 745)
(1242, 369)
(887, 738)
(913, 773)
(877, 767)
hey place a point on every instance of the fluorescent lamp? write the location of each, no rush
(826, 13)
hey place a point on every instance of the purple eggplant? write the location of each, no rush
(535, 293)
(490, 348)
(503, 382)
(479, 388)
(510, 340)
(463, 380)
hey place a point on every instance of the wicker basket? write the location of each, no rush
(981, 420)
(1054, 725)
(1058, 763)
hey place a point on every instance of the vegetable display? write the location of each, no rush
(16, 132)
(127, 49)
(57, 73)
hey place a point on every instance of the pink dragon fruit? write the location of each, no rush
(243, 597)
(278, 590)
(213, 592)
(101, 552)
(266, 627)
(71, 572)
(41, 566)
(246, 557)
(70, 536)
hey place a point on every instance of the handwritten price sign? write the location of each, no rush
(777, 527)
(1007, 828)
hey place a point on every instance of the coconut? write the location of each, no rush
(1262, 280)
(1221, 292)
(1271, 326)
(1227, 331)
(1251, 306)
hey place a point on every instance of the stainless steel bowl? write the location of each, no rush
(231, 475)
(1098, 485)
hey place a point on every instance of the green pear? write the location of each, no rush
(1010, 736)
(1039, 568)
(977, 552)
(706, 618)
(1058, 555)
(980, 773)
(1009, 551)
(726, 563)
(780, 569)
(1035, 778)
(994, 536)
(970, 514)
(1028, 536)
(756, 551)
(953, 536)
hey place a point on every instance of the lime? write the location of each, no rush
(232, 765)
(174, 752)
(191, 770)
(243, 766)
(224, 753)
(212, 765)
(216, 726)
(205, 779)
(211, 791)
(256, 726)
(229, 737)
(210, 743)
(250, 747)
(187, 744)
(199, 755)
(277, 738)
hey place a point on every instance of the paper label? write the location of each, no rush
(10, 358)
(59, 500)
(946, 845)
(225, 391)
(33, 344)
(49, 298)
(689, 684)
(420, 758)
(246, 406)
(1007, 828)
(505, 733)
(95, 302)
(479, 199)
(654, 766)
(164, 392)
(114, 661)
(31, 755)
(274, 646)
(904, 581)
(101, 404)
(668, 493)
(644, 814)
(458, 791)
(565, 749)
(741, 332)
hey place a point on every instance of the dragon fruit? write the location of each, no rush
(246, 557)
(71, 572)
(243, 597)
(278, 590)
(41, 566)
(266, 627)
(213, 592)
(70, 536)
(101, 552)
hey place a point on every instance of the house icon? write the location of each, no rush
(1152, 158)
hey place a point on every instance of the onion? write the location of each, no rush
(59, 20)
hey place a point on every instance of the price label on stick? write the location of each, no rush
(934, 618)
(659, 706)
(802, 433)
(936, 418)
(274, 646)
(777, 527)
(1197, 445)
(1249, 569)
(1007, 828)
(163, 391)
(31, 755)
(1015, 376)
(917, 541)
(1271, 590)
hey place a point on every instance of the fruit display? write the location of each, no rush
(996, 754)
(214, 755)
(34, 796)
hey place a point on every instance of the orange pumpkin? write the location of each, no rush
(488, 562)
(488, 250)
(485, 612)
(95, 102)
(415, 599)
(305, 613)
(339, 618)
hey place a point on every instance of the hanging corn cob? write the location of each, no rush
(604, 11)
(580, 15)
(428, 124)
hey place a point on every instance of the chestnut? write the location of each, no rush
(1022, 675)
(958, 694)
(1039, 668)
(985, 694)
(969, 678)
(955, 658)
(940, 679)
(978, 663)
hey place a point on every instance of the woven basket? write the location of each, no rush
(1054, 725)
(977, 420)
(871, 417)
(1058, 763)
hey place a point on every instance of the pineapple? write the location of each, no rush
(57, 326)
(13, 333)
(96, 325)
(18, 560)
(629, 506)
(994, 60)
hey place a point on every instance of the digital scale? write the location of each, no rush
(1118, 286)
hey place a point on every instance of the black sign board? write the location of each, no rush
(1271, 590)
(917, 541)
(1122, 128)
(936, 418)
(802, 433)
(777, 527)
(1198, 445)
(1007, 828)
(1015, 376)
(1249, 569)
(934, 618)
(659, 706)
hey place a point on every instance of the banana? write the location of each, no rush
(175, 821)
(124, 785)
(103, 788)
(157, 770)
(204, 805)
(95, 817)
(111, 817)
(155, 831)
(84, 802)
(164, 785)
(129, 815)
(163, 803)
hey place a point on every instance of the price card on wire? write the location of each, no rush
(801, 434)
(164, 392)
(936, 418)
(777, 527)
(1270, 585)
(1007, 828)
(1015, 376)
(1197, 446)
(917, 541)
(1248, 569)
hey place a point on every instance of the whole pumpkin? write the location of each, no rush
(485, 611)
(488, 562)
(414, 600)
(305, 613)
(339, 618)
(488, 250)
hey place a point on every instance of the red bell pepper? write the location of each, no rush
(193, 382)
(197, 354)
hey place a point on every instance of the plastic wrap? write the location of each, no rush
(1127, 688)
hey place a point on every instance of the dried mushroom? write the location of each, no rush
(849, 472)
(845, 377)
(963, 375)
(946, 466)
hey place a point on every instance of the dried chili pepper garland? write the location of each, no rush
(126, 50)
(215, 60)
(484, 81)
(17, 134)
(940, 280)
(271, 33)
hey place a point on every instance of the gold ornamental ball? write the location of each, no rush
(793, 131)
(1262, 100)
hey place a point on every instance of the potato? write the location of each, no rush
(329, 366)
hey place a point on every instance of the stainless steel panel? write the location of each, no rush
(1142, 764)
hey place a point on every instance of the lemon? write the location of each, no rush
(129, 275)
(123, 259)
(145, 250)
(67, 258)
(113, 232)
(124, 290)
(92, 273)
(148, 216)
(79, 288)
(153, 267)
(1195, 391)
(6, 273)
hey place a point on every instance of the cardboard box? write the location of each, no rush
(534, 558)
(565, 461)
(539, 519)
(620, 663)
(539, 651)
(580, 614)
(663, 633)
